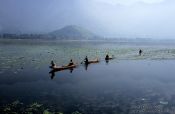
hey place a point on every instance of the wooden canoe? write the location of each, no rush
(110, 58)
(92, 61)
(64, 67)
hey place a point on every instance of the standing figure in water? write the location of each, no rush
(140, 52)
(86, 61)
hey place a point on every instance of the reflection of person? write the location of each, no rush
(86, 60)
(71, 70)
(140, 52)
(107, 57)
(107, 61)
(52, 74)
(71, 63)
(86, 66)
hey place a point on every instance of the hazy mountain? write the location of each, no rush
(73, 32)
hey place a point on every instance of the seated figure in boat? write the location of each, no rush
(107, 57)
(70, 63)
(52, 64)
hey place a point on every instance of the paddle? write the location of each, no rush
(82, 62)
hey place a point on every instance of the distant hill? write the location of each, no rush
(73, 32)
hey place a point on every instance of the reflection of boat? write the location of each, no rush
(56, 68)
(60, 68)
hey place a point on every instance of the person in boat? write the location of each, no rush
(53, 64)
(71, 63)
(86, 61)
(140, 52)
(107, 57)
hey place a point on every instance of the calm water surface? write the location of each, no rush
(130, 86)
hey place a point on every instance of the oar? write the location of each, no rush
(82, 62)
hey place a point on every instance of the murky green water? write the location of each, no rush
(129, 84)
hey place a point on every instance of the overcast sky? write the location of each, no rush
(110, 18)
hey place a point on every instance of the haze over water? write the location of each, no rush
(107, 18)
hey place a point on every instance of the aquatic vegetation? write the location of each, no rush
(12, 108)
(35, 105)
(76, 112)
(19, 56)
(17, 102)
(47, 112)
(163, 102)
(17, 107)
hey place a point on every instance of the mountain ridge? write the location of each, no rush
(73, 32)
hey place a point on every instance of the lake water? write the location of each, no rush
(129, 84)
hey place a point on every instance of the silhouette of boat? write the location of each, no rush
(110, 58)
(57, 68)
(92, 61)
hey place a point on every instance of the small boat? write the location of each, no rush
(110, 58)
(92, 61)
(56, 68)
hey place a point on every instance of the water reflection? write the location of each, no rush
(109, 89)
(86, 66)
(71, 70)
(52, 72)
(107, 61)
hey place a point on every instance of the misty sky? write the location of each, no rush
(110, 18)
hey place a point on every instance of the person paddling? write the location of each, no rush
(71, 63)
(86, 61)
(53, 64)
(107, 57)
(140, 52)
